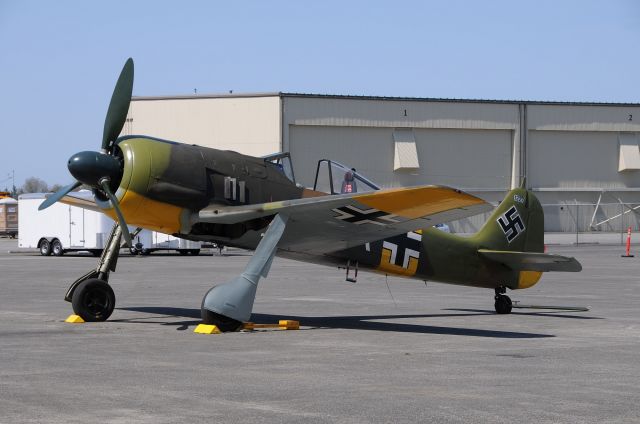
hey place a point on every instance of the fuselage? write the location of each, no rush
(428, 254)
(165, 184)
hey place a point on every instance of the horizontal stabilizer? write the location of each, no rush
(531, 261)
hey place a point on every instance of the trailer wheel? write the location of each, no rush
(194, 252)
(56, 248)
(45, 247)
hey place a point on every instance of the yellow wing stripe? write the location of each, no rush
(418, 202)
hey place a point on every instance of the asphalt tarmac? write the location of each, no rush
(413, 353)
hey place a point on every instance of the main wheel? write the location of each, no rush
(56, 248)
(223, 323)
(503, 304)
(45, 248)
(93, 300)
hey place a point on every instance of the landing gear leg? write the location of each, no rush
(503, 303)
(91, 296)
(228, 305)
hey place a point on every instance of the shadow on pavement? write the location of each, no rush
(548, 313)
(359, 322)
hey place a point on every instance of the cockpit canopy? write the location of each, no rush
(335, 178)
(282, 161)
(331, 177)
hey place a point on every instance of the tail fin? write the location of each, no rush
(514, 237)
(516, 225)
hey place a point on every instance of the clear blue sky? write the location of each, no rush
(59, 59)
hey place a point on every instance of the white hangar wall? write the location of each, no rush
(248, 124)
(578, 148)
(467, 145)
(483, 165)
(570, 153)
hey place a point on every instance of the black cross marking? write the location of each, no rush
(358, 216)
(511, 224)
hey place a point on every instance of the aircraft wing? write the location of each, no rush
(531, 261)
(325, 224)
(81, 200)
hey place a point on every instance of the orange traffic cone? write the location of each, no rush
(628, 252)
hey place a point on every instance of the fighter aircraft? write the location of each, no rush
(346, 220)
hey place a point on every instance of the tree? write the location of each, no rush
(34, 185)
(55, 187)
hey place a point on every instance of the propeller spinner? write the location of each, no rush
(99, 169)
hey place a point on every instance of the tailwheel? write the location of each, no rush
(93, 300)
(224, 324)
(503, 303)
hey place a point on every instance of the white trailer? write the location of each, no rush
(60, 228)
(63, 228)
(147, 242)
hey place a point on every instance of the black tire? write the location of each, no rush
(183, 252)
(145, 252)
(93, 300)
(224, 324)
(56, 248)
(503, 304)
(95, 253)
(45, 248)
(194, 252)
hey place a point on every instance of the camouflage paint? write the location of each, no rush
(444, 257)
(165, 183)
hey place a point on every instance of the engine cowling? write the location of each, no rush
(150, 194)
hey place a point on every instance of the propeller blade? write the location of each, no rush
(114, 201)
(119, 105)
(58, 195)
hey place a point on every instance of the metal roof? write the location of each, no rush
(83, 194)
(385, 98)
(32, 196)
(206, 96)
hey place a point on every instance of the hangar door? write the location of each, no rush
(460, 158)
(570, 159)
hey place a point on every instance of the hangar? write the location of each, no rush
(581, 159)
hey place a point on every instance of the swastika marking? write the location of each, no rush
(511, 224)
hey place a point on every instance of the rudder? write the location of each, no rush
(516, 225)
